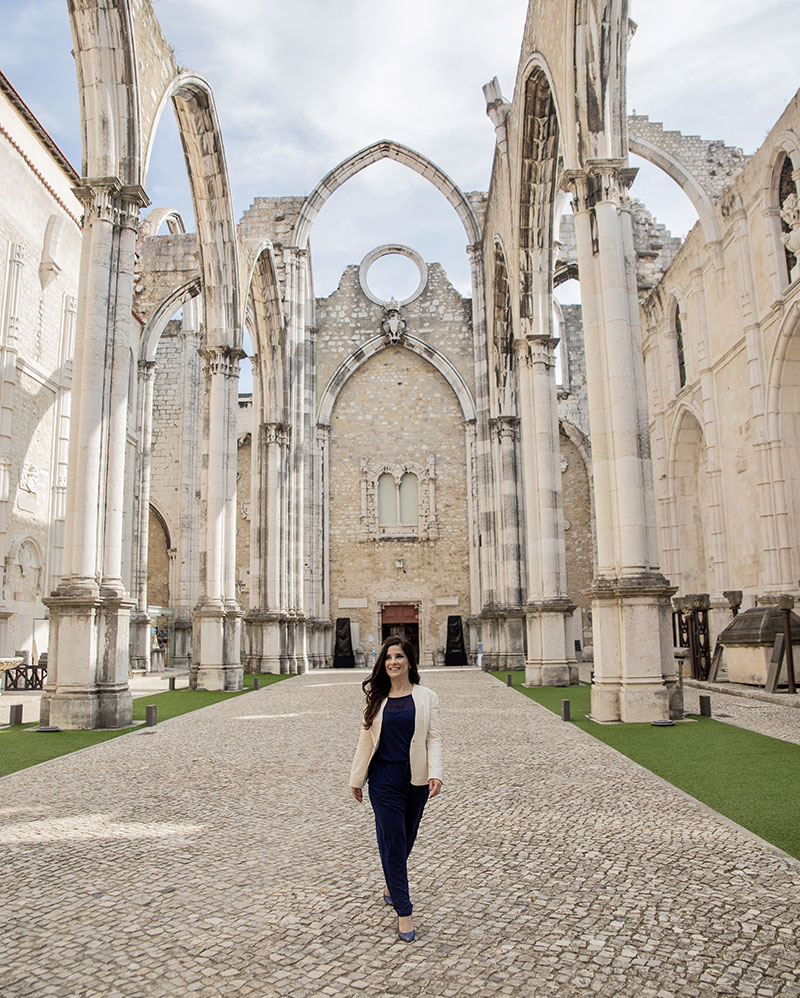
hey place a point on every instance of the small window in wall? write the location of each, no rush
(680, 348)
(398, 500)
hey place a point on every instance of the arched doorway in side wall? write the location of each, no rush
(402, 619)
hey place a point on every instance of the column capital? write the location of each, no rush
(275, 433)
(147, 368)
(536, 350)
(108, 200)
(475, 252)
(221, 360)
(506, 427)
(600, 180)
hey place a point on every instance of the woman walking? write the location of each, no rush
(400, 753)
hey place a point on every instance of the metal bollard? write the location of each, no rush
(151, 715)
(508, 679)
(565, 706)
(705, 706)
(15, 714)
(172, 682)
(256, 683)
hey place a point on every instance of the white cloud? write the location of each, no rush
(301, 86)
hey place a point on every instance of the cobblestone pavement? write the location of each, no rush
(773, 719)
(220, 854)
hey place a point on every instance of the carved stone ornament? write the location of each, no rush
(29, 478)
(245, 510)
(790, 213)
(393, 325)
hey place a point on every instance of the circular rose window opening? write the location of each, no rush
(393, 271)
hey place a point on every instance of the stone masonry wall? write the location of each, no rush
(165, 480)
(440, 316)
(397, 408)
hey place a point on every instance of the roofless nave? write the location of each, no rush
(440, 510)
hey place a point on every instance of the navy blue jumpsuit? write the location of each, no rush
(397, 803)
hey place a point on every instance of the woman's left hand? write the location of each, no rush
(434, 787)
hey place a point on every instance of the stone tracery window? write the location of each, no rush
(787, 189)
(398, 501)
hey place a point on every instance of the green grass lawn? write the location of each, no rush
(750, 778)
(21, 747)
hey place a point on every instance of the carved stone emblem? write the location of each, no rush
(393, 325)
(790, 213)
(29, 478)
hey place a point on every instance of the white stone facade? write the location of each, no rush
(39, 255)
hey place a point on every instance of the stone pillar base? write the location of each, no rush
(267, 640)
(115, 703)
(632, 649)
(140, 642)
(115, 707)
(208, 666)
(182, 659)
(88, 659)
(71, 711)
(232, 646)
(550, 660)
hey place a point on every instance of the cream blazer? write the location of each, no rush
(425, 754)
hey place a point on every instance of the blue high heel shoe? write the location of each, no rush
(387, 899)
(407, 937)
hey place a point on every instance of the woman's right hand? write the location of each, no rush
(357, 793)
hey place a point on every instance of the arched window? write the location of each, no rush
(387, 501)
(681, 354)
(408, 496)
(398, 502)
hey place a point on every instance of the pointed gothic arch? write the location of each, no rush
(376, 345)
(384, 149)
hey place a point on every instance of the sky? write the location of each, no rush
(301, 86)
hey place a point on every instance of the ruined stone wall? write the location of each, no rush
(576, 486)
(578, 531)
(243, 503)
(163, 264)
(166, 482)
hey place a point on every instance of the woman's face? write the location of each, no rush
(396, 664)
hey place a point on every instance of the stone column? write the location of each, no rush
(547, 608)
(209, 662)
(187, 589)
(232, 627)
(266, 620)
(90, 610)
(140, 620)
(630, 597)
(509, 644)
(483, 550)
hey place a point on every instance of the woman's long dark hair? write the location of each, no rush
(376, 687)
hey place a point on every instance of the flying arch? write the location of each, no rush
(384, 149)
